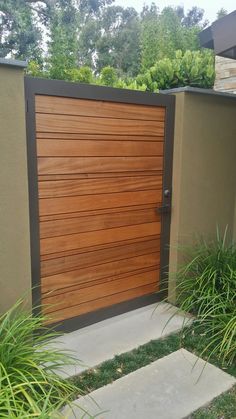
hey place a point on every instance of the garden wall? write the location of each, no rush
(204, 169)
(204, 176)
(15, 271)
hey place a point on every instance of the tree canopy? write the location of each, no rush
(91, 39)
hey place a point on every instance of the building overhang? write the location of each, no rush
(221, 36)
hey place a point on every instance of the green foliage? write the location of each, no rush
(130, 84)
(108, 76)
(118, 43)
(207, 288)
(164, 33)
(94, 33)
(81, 75)
(19, 36)
(192, 68)
(34, 69)
(94, 41)
(62, 46)
(29, 385)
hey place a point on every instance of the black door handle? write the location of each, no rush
(164, 209)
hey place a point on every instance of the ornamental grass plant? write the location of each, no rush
(206, 287)
(29, 384)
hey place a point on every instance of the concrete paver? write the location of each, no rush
(102, 341)
(170, 388)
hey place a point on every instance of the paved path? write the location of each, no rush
(102, 341)
(170, 388)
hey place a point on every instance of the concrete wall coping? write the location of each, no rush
(13, 63)
(197, 90)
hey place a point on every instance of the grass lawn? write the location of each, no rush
(223, 407)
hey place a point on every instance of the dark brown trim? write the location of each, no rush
(167, 199)
(33, 197)
(88, 91)
(34, 86)
(84, 320)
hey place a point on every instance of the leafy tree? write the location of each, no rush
(62, 52)
(112, 39)
(164, 33)
(108, 76)
(94, 41)
(81, 75)
(221, 13)
(20, 37)
(149, 30)
(194, 18)
(119, 43)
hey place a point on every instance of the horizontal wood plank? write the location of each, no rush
(94, 248)
(60, 282)
(96, 222)
(69, 204)
(84, 148)
(90, 259)
(97, 108)
(71, 298)
(53, 217)
(89, 125)
(59, 188)
(114, 175)
(72, 165)
(107, 301)
(92, 238)
(97, 137)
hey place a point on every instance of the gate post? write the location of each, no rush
(15, 265)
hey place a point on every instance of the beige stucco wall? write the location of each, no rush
(15, 275)
(204, 171)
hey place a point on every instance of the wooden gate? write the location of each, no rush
(99, 186)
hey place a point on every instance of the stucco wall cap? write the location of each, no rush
(13, 63)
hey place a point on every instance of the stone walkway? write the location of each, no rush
(170, 388)
(102, 341)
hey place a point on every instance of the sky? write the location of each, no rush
(211, 7)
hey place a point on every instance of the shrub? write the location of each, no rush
(29, 384)
(207, 288)
(108, 76)
(81, 75)
(192, 68)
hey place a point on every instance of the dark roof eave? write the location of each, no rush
(221, 36)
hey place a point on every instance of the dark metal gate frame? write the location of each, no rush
(35, 86)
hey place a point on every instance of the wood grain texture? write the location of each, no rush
(71, 165)
(91, 125)
(97, 137)
(66, 205)
(53, 217)
(96, 247)
(100, 168)
(97, 222)
(94, 292)
(76, 176)
(97, 108)
(107, 301)
(72, 187)
(95, 257)
(84, 148)
(92, 238)
(58, 283)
